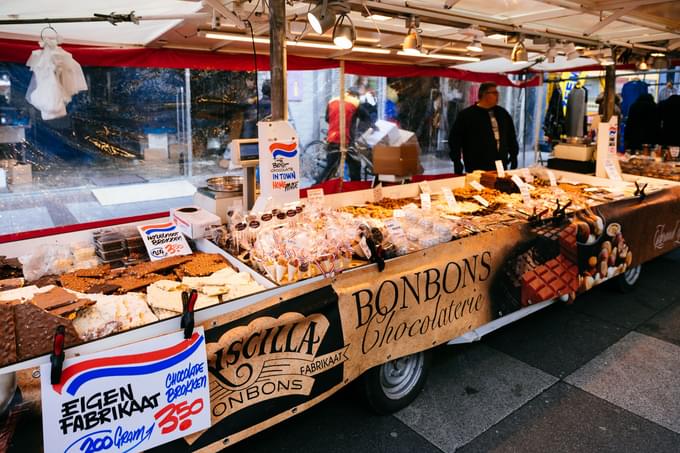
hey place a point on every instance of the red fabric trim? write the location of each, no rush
(418, 178)
(396, 70)
(24, 235)
(17, 51)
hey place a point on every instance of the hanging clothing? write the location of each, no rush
(669, 114)
(57, 77)
(642, 125)
(666, 92)
(576, 112)
(553, 125)
(630, 92)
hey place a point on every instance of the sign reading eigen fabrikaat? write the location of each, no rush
(128, 399)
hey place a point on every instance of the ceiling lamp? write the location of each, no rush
(321, 17)
(642, 65)
(475, 46)
(572, 52)
(519, 53)
(344, 35)
(413, 42)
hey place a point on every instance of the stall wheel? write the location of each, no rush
(627, 281)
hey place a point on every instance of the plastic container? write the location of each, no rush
(108, 256)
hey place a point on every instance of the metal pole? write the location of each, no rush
(187, 99)
(610, 89)
(277, 30)
(343, 122)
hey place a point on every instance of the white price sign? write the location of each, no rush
(481, 200)
(612, 169)
(553, 180)
(675, 151)
(163, 240)
(500, 169)
(477, 186)
(130, 398)
(450, 199)
(395, 230)
(425, 201)
(424, 187)
(526, 174)
(377, 193)
(315, 196)
(523, 189)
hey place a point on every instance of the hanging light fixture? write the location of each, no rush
(642, 65)
(519, 52)
(344, 34)
(475, 46)
(321, 17)
(413, 42)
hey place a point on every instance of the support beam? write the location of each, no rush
(608, 20)
(615, 4)
(545, 15)
(277, 39)
(610, 89)
(226, 13)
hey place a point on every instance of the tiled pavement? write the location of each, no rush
(602, 375)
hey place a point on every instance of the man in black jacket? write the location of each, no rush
(484, 133)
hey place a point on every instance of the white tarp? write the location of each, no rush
(504, 65)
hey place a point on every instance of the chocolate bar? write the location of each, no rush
(35, 330)
(8, 343)
(567, 239)
(75, 307)
(555, 278)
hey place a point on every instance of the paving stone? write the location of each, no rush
(557, 340)
(566, 419)
(665, 325)
(470, 389)
(639, 373)
(624, 310)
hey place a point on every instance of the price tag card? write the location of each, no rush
(377, 193)
(424, 187)
(450, 199)
(612, 170)
(425, 201)
(526, 174)
(315, 196)
(523, 189)
(163, 240)
(553, 180)
(477, 186)
(500, 169)
(398, 213)
(481, 200)
(675, 151)
(364, 247)
(130, 398)
(395, 230)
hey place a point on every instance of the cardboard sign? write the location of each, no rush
(315, 196)
(500, 169)
(477, 186)
(450, 199)
(425, 201)
(128, 399)
(163, 240)
(279, 162)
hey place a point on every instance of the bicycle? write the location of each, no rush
(315, 159)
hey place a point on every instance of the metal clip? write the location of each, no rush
(57, 356)
(188, 305)
(640, 191)
(560, 212)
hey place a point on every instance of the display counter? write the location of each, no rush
(292, 311)
(653, 167)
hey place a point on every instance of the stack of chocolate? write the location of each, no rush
(491, 180)
(557, 277)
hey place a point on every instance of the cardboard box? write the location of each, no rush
(195, 222)
(386, 133)
(396, 160)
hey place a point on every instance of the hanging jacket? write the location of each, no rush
(576, 112)
(553, 125)
(669, 113)
(630, 92)
(642, 125)
(333, 118)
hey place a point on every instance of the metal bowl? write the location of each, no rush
(226, 184)
(576, 140)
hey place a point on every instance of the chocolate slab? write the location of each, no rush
(8, 342)
(54, 298)
(35, 330)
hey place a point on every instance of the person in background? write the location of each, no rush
(483, 133)
(643, 123)
(667, 91)
(256, 109)
(333, 138)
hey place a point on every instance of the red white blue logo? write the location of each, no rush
(158, 228)
(75, 376)
(283, 150)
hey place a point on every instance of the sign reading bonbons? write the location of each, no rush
(128, 399)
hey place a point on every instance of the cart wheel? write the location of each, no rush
(627, 281)
(395, 384)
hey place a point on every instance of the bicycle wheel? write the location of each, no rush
(313, 160)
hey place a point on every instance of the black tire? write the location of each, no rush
(627, 281)
(395, 384)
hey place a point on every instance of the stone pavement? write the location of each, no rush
(601, 375)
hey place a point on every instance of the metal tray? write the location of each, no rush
(226, 184)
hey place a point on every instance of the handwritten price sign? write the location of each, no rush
(128, 399)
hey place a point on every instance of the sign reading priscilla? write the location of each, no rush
(128, 399)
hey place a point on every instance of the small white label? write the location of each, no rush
(477, 186)
(364, 247)
(675, 151)
(481, 200)
(612, 170)
(424, 187)
(377, 193)
(425, 201)
(398, 213)
(450, 199)
(500, 169)
(526, 174)
(523, 189)
(315, 196)
(395, 230)
(553, 180)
